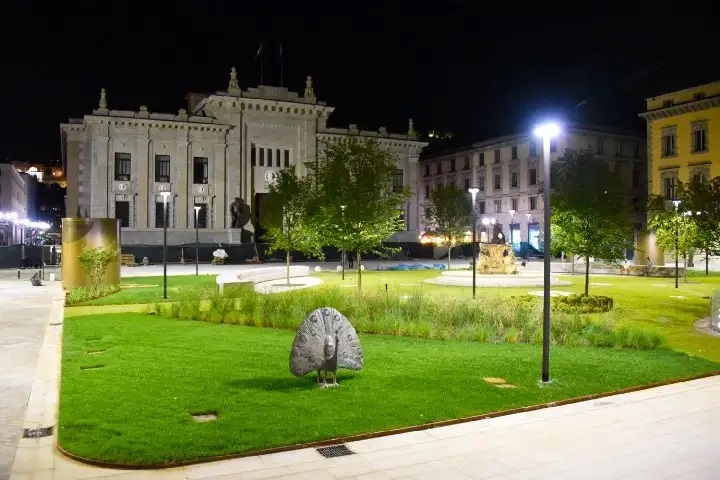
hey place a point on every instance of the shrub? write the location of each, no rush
(94, 263)
(582, 304)
(491, 319)
(84, 294)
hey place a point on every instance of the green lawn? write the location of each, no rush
(135, 290)
(157, 372)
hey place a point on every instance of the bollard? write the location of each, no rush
(18, 274)
(386, 287)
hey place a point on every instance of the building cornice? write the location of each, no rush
(248, 104)
(390, 140)
(695, 106)
(128, 121)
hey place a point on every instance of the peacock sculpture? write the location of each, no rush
(325, 342)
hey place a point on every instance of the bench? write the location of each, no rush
(257, 275)
(128, 259)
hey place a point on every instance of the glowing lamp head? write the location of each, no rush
(676, 203)
(547, 130)
(165, 194)
(197, 209)
(473, 192)
(486, 221)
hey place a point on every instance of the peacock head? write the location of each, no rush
(329, 347)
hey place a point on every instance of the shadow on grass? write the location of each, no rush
(288, 384)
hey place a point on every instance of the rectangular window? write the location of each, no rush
(669, 188)
(278, 158)
(253, 155)
(202, 216)
(159, 214)
(481, 184)
(200, 171)
(514, 204)
(481, 161)
(553, 145)
(668, 144)
(427, 191)
(466, 164)
(533, 149)
(262, 157)
(467, 184)
(532, 177)
(698, 96)
(427, 170)
(481, 207)
(513, 150)
(287, 158)
(162, 168)
(514, 179)
(438, 168)
(498, 205)
(636, 176)
(452, 165)
(618, 148)
(497, 184)
(636, 151)
(497, 156)
(269, 157)
(699, 137)
(122, 212)
(533, 203)
(122, 167)
(398, 181)
(667, 103)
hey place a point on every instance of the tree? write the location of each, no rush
(94, 262)
(289, 225)
(590, 217)
(675, 230)
(448, 212)
(357, 174)
(702, 198)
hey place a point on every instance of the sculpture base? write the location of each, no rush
(464, 278)
(496, 258)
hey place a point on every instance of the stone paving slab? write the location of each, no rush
(24, 317)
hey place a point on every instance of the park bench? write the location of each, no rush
(257, 275)
(128, 259)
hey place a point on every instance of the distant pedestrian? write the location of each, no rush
(351, 260)
(649, 266)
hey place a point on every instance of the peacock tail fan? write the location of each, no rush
(308, 349)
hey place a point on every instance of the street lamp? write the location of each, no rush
(486, 222)
(527, 247)
(512, 214)
(342, 254)
(491, 232)
(197, 237)
(547, 132)
(677, 241)
(165, 196)
(473, 192)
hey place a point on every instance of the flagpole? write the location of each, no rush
(281, 65)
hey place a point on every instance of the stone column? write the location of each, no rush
(102, 175)
(413, 221)
(234, 174)
(182, 179)
(220, 185)
(143, 182)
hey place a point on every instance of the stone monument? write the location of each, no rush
(496, 258)
(325, 342)
(240, 216)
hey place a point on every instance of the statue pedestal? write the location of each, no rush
(234, 235)
(496, 258)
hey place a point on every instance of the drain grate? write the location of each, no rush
(37, 432)
(92, 367)
(205, 417)
(335, 451)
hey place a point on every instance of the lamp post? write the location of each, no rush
(547, 132)
(491, 233)
(486, 223)
(473, 192)
(677, 241)
(342, 254)
(527, 247)
(512, 214)
(165, 196)
(197, 237)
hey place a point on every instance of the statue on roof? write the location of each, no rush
(411, 128)
(233, 84)
(103, 99)
(309, 93)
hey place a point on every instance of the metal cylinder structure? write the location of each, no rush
(80, 234)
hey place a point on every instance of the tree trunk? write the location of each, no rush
(359, 271)
(685, 265)
(287, 259)
(587, 275)
(449, 251)
(707, 261)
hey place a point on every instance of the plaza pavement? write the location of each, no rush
(668, 432)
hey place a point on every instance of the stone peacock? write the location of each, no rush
(325, 342)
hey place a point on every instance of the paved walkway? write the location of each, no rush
(23, 319)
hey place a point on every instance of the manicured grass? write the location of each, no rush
(157, 371)
(135, 290)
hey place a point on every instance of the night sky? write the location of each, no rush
(475, 74)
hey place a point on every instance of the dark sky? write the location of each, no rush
(461, 69)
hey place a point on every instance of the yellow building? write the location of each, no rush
(683, 139)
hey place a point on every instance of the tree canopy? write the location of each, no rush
(448, 212)
(702, 198)
(590, 214)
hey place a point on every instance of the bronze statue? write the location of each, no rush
(240, 213)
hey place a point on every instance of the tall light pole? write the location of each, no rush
(491, 234)
(473, 192)
(547, 132)
(197, 237)
(165, 196)
(677, 241)
(512, 214)
(527, 247)
(486, 223)
(342, 254)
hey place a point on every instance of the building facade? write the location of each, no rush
(15, 198)
(509, 174)
(226, 146)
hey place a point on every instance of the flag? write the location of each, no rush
(259, 51)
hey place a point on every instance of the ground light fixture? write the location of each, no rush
(546, 131)
(473, 193)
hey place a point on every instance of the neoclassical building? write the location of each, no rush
(225, 146)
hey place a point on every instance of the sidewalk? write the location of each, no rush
(662, 433)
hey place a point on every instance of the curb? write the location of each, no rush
(384, 433)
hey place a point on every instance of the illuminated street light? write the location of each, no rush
(547, 132)
(677, 242)
(473, 193)
(197, 238)
(165, 195)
